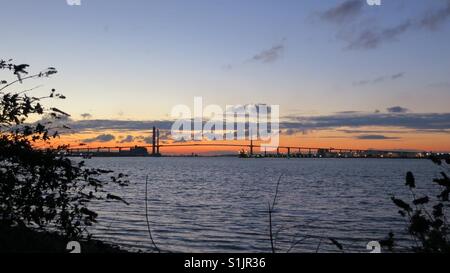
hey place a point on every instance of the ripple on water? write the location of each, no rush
(220, 204)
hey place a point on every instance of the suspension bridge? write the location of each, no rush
(155, 148)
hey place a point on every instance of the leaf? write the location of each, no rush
(336, 243)
(410, 180)
(419, 224)
(445, 195)
(421, 201)
(437, 223)
(60, 112)
(445, 181)
(89, 212)
(436, 160)
(114, 197)
(438, 210)
(21, 68)
(388, 242)
(401, 204)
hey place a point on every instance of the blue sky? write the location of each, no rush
(124, 55)
(135, 60)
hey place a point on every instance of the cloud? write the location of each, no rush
(439, 85)
(423, 122)
(380, 79)
(270, 55)
(369, 132)
(395, 120)
(111, 124)
(375, 137)
(435, 19)
(100, 138)
(371, 37)
(397, 109)
(292, 131)
(127, 139)
(348, 112)
(148, 140)
(164, 135)
(343, 12)
(266, 56)
(86, 116)
(397, 76)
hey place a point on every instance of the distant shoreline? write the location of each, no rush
(262, 157)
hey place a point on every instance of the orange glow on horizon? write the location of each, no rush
(317, 139)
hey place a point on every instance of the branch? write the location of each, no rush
(272, 245)
(46, 73)
(16, 81)
(276, 192)
(271, 208)
(146, 216)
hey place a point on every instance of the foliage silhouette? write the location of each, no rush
(428, 231)
(40, 187)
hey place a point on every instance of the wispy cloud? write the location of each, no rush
(344, 12)
(293, 131)
(86, 115)
(372, 132)
(439, 85)
(371, 37)
(270, 55)
(117, 125)
(100, 138)
(375, 137)
(380, 79)
(414, 121)
(435, 19)
(128, 139)
(266, 56)
(397, 109)
(348, 112)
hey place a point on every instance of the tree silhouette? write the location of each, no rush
(42, 187)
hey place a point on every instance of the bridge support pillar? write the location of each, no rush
(157, 142)
(154, 141)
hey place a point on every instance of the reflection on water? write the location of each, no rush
(220, 204)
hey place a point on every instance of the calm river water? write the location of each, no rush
(220, 204)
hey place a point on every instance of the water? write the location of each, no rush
(221, 204)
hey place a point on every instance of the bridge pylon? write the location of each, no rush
(154, 141)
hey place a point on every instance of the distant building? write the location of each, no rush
(326, 153)
(136, 151)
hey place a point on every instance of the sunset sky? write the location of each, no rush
(344, 74)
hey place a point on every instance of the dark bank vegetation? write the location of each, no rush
(425, 215)
(20, 239)
(41, 190)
